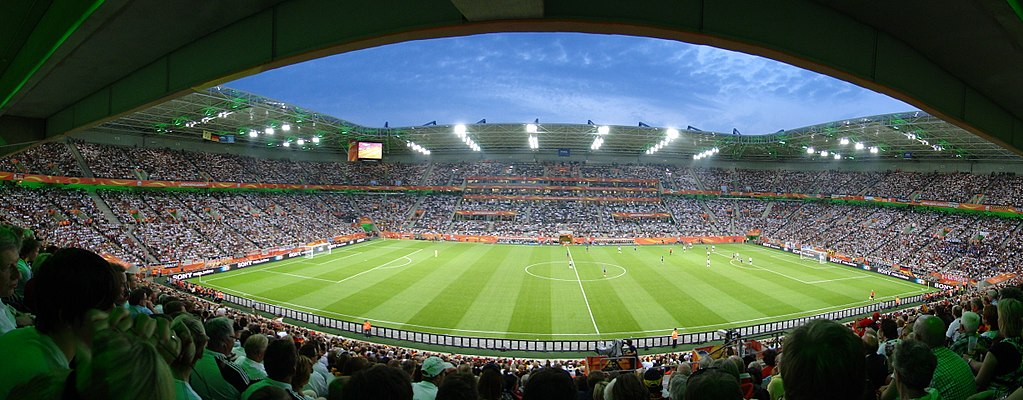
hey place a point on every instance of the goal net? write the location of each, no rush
(812, 254)
(315, 250)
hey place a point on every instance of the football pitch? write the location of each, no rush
(530, 292)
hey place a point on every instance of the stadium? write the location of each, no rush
(624, 254)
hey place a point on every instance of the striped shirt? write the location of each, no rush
(953, 377)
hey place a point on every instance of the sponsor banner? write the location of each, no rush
(640, 215)
(486, 186)
(845, 262)
(604, 363)
(191, 271)
(556, 179)
(945, 204)
(500, 213)
(562, 198)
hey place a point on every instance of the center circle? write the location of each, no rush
(577, 263)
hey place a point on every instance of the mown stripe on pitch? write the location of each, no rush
(448, 305)
(532, 311)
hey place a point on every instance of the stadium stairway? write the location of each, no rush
(104, 208)
(426, 176)
(84, 166)
(767, 210)
(145, 250)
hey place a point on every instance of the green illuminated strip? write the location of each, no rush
(92, 8)
(1017, 8)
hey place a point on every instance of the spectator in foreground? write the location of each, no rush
(281, 359)
(1002, 368)
(378, 382)
(215, 377)
(252, 361)
(73, 281)
(823, 360)
(712, 384)
(8, 277)
(192, 337)
(458, 386)
(914, 365)
(549, 384)
(434, 369)
(952, 377)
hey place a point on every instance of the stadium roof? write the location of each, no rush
(223, 111)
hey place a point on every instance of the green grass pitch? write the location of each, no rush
(529, 292)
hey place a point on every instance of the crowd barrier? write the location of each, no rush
(471, 342)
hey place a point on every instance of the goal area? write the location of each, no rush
(813, 254)
(311, 251)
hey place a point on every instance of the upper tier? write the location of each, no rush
(107, 161)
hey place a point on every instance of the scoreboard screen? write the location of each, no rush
(371, 151)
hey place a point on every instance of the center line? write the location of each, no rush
(577, 279)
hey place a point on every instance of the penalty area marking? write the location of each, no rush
(623, 271)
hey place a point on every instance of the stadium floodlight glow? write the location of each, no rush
(417, 147)
(824, 153)
(286, 144)
(838, 156)
(809, 150)
(286, 127)
(603, 130)
(672, 133)
(269, 130)
(859, 145)
(843, 141)
(300, 142)
(316, 139)
(696, 156)
(253, 133)
(460, 130)
(597, 143)
(530, 128)
(534, 143)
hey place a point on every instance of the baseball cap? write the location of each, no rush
(434, 365)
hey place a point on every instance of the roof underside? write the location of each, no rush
(223, 111)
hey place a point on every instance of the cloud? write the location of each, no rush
(567, 77)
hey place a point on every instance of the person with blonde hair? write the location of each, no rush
(1002, 369)
(124, 367)
(192, 337)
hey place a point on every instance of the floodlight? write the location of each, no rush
(253, 133)
(316, 139)
(285, 127)
(300, 142)
(696, 156)
(460, 130)
(531, 128)
(286, 144)
(269, 130)
(843, 141)
(873, 150)
(672, 133)
(809, 150)
(838, 156)
(859, 145)
(603, 130)
(824, 153)
(427, 152)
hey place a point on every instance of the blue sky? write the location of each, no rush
(567, 78)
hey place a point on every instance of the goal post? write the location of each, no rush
(813, 254)
(310, 251)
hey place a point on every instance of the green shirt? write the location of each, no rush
(953, 378)
(27, 353)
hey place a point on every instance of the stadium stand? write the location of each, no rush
(156, 227)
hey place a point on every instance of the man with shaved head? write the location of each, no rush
(953, 377)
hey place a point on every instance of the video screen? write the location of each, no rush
(371, 151)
